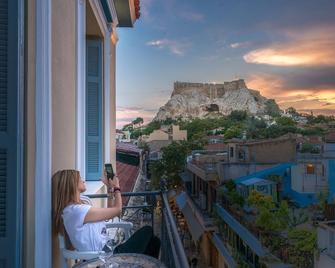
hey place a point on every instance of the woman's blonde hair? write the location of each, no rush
(64, 192)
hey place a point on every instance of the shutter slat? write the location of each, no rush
(93, 110)
(3, 191)
(3, 64)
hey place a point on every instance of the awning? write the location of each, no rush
(181, 200)
(223, 251)
(193, 224)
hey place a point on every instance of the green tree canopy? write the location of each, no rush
(238, 115)
(138, 121)
(272, 108)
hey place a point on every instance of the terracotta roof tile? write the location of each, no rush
(127, 175)
(127, 147)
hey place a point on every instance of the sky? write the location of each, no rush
(283, 48)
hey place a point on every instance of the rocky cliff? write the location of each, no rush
(189, 100)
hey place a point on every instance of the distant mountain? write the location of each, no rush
(190, 100)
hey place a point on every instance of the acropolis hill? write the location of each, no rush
(190, 100)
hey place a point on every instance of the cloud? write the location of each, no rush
(124, 114)
(192, 16)
(289, 94)
(238, 45)
(312, 47)
(175, 47)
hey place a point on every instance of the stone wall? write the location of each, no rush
(214, 90)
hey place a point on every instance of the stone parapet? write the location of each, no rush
(211, 90)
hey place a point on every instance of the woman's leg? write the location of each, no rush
(137, 243)
(153, 247)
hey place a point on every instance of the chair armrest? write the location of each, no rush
(80, 255)
(122, 224)
(125, 225)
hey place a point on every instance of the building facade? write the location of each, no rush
(57, 111)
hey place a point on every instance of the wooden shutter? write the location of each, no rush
(10, 182)
(93, 110)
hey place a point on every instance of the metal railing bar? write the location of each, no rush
(138, 206)
(168, 230)
(126, 194)
(178, 244)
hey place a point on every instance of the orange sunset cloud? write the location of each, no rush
(313, 47)
(275, 87)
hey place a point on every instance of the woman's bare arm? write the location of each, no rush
(101, 214)
(113, 210)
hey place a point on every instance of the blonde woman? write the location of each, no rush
(83, 226)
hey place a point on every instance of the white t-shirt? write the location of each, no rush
(90, 236)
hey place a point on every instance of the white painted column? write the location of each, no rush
(107, 104)
(43, 113)
(81, 86)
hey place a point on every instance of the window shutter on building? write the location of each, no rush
(10, 182)
(93, 110)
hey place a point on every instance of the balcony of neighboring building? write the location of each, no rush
(198, 219)
(236, 242)
(205, 164)
(202, 193)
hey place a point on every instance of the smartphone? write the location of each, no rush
(109, 171)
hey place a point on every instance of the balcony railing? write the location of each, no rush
(155, 211)
(205, 215)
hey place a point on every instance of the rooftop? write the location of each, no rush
(127, 148)
(127, 175)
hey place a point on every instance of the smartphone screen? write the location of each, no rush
(109, 171)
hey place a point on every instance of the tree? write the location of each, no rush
(292, 111)
(281, 216)
(304, 240)
(272, 108)
(128, 127)
(285, 121)
(302, 246)
(269, 219)
(157, 171)
(323, 200)
(265, 220)
(230, 193)
(309, 148)
(297, 219)
(235, 198)
(172, 163)
(260, 200)
(138, 121)
(238, 115)
(233, 132)
(153, 125)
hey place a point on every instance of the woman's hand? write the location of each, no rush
(111, 183)
(114, 182)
